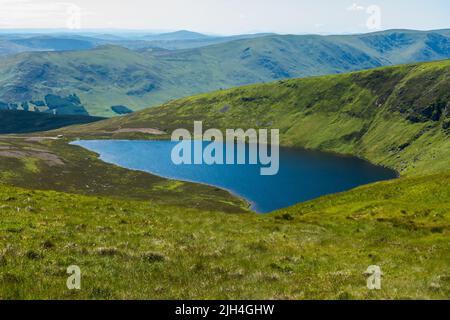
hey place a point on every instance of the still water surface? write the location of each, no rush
(303, 175)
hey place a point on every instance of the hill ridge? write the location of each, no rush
(395, 116)
(151, 77)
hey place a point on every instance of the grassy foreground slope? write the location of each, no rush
(139, 236)
(395, 116)
(143, 250)
(41, 163)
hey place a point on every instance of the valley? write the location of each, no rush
(347, 114)
(381, 97)
(109, 74)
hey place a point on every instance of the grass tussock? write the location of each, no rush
(128, 249)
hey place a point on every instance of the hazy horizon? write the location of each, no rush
(225, 17)
(113, 31)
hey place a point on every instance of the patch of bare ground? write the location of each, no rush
(27, 138)
(151, 131)
(49, 158)
(40, 139)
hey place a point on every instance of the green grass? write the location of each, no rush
(55, 165)
(143, 250)
(111, 75)
(137, 236)
(382, 115)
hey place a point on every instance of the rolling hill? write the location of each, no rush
(16, 43)
(158, 251)
(53, 43)
(164, 239)
(184, 40)
(177, 35)
(13, 43)
(395, 116)
(110, 75)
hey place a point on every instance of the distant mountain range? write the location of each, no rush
(92, 81)
(177, 35)
(28, 42)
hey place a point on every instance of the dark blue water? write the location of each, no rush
(303, 175)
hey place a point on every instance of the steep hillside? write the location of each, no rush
(164, 239)
(395, 116)
(103, 77)
(189, 42)
(317, 250)
(403, 46)
(109, 76)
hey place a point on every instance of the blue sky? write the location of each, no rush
(228, 16)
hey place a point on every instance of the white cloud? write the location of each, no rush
(37, 13)
(223, 16)
(355, 7)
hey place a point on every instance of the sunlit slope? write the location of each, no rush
(161, 239)
(111, 75)
(395, 116)
(317, 250)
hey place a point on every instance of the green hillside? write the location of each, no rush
(163, 239)
(316, 250)
(395, 116)
(110, 75)
(21, 41)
